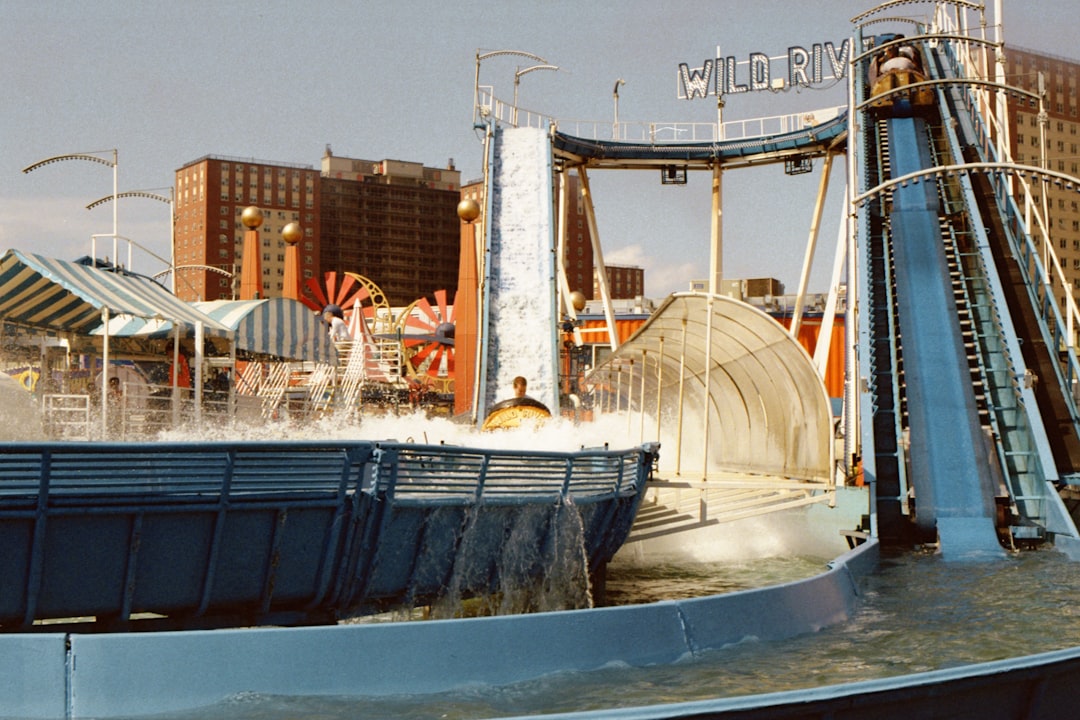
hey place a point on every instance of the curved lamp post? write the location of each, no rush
(149, 195)
(517, 81)
(93, 156)
(495, 53)
(615, 94)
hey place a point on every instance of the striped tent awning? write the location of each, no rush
(279, 327)
(276, 327)
(65, 296)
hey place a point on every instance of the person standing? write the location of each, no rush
(339, 331)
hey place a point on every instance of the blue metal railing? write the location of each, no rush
(262, 531)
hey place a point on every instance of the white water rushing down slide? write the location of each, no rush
(520, 333)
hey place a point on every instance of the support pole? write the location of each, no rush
(706, 400)
(105, 373)
(566, 304)
(197, 379)
(811, 246)
(679, 414)
(659, 383)
(598, 259)
(716, 236)
(824, 342)
(641, 401)
(175, 379)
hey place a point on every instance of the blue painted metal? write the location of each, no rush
(815, 137)
(954, 489)
(36, 675)
(202, 531)
(1023, 450)
(143, 673)
(957, 480)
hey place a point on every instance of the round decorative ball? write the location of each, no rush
(252, 217)
(468, 210)
(577, 299)
(292, 233)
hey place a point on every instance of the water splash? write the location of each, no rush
(541, 566)
(556, 434)
(21, 418)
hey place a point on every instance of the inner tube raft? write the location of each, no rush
(510, 413)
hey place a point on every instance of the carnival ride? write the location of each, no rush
(427, 337)
(389, 361)
(934, 202)
(358, 297)
(959, 446)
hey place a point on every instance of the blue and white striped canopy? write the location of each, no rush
(279, 327)
(276, 327)
(66, 296)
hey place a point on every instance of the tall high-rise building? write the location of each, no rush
(393, 222)
(579, 259)
(1060, 75)
(624, 281)
(211, 193)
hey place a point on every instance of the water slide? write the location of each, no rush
(950, 467)
(955, 442)
(518, 317)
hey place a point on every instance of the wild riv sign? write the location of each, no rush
(799, 68)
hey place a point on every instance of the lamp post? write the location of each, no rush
(93, 156)
(517, 81)
(150, 195)
(615, 94)
(484, 56)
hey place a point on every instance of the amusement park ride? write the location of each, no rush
(940, 445)
(418, 368)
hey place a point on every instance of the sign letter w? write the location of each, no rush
(695, 82)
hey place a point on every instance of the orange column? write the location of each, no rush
(251, 269)
(290, 285)
(465, 311)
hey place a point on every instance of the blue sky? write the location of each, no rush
(166, 83)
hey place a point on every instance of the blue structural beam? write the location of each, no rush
(949, 460)
(811, 139)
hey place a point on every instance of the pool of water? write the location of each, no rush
(917, 614)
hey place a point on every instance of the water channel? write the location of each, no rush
(917, 614)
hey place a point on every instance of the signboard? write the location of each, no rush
(798, 68)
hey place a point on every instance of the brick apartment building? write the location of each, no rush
(1060, 77)
(391, 221)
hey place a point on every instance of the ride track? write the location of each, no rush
(809, 141)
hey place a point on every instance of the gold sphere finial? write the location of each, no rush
(292, 233)
(468, 210)
(252, 217)
(577, 299)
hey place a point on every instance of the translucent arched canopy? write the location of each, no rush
(715, 368)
